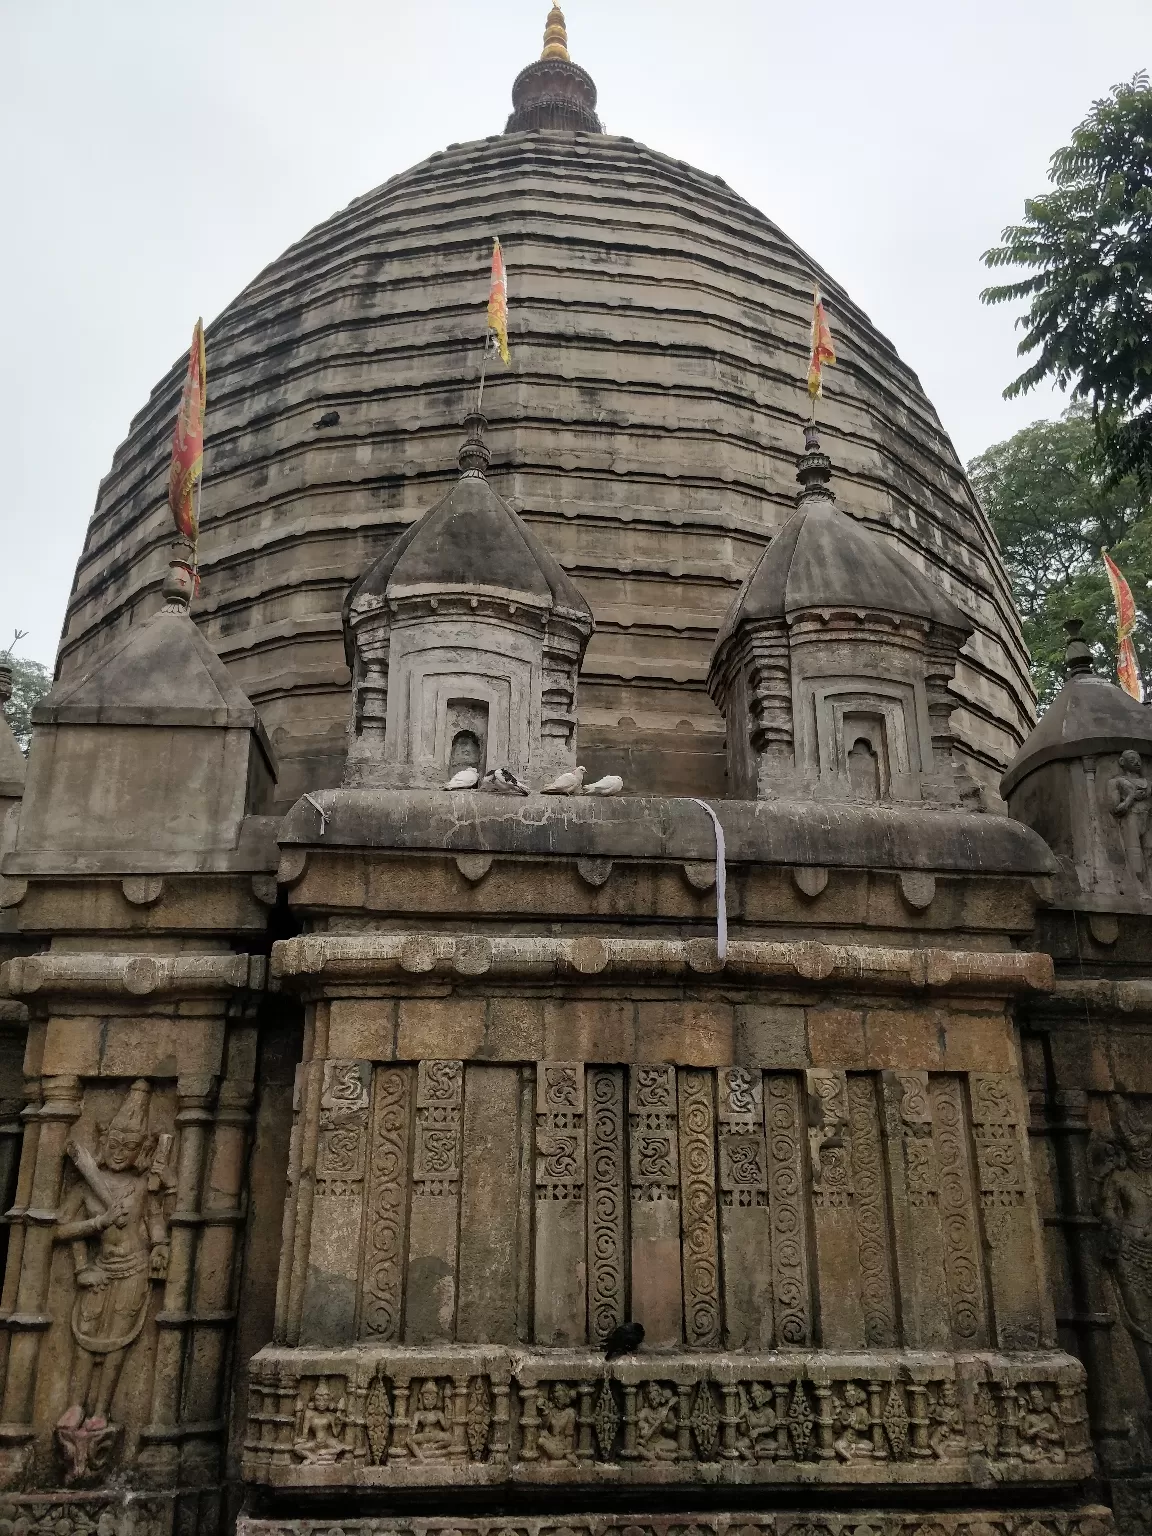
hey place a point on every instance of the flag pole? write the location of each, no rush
(483, 371)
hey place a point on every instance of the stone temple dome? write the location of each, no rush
(647, 431)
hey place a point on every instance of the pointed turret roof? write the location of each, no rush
(1088, 717)
(472, 542)
(823, 558)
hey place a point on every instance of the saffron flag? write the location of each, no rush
(188, 440)
(1127, 672)
(498, 302)
(822, 349)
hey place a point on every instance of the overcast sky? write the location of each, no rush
(154, 156)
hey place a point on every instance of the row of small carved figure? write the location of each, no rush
(956, 1524)
(565, 1422)
(49, 1518)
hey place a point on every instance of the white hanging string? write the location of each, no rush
(721, 905)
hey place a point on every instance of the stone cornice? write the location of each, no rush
(1086, 997)
(329, 959)
(105, 975)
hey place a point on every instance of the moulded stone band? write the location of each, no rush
(137, 975)
(335, 958)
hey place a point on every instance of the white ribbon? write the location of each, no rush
(721, 907)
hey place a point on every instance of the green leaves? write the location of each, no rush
(1054, 502)
(1088, 325)
(30, 682)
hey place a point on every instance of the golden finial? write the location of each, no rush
(555, 36)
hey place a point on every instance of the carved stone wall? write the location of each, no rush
(910, 1192)
(119, 1298)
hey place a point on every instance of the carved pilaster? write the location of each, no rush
(788, 1206)
(560, 1273)
(963, 1261)
(433, 1245)
(700, 1249)
(745, 1221)
(656, 1284)
(329, 1311)
(837, 1242)
(915, 1197)
(385, 1233)
(607, 1203)
(1006, 1208)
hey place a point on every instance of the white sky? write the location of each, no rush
(154, 156)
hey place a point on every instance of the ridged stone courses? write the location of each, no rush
(648, 430)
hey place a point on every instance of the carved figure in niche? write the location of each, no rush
(430, 1426)
(1130, 801)
(656, 1423)
(320, 1436)
(557, 1440)
(1041, 1437)
(947, 1434)
(1122, 1165)
(756, 1434)
(855, 1424)
(119, 1202)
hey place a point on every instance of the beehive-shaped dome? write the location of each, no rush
(646, 431)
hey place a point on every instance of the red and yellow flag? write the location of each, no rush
(498, 302)
(1127, 672)
(822, 349)
(188, 440)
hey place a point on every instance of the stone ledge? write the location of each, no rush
(664, 827)
(377, 957)
(1072, 996)
(1087, 1520)
(50, 974)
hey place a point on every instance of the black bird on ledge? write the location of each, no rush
(625, 1339)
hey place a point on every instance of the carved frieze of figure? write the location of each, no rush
(430, 1424)
(1122, 1164)
(557, 1440)
(854, 1423)
(947, 1434)
(656, 1422)
(756, 1433)
(115, 1222)
(1130, 801)
(1038, 1427)
(320, 1433)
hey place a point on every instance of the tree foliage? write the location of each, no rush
(1088, 242)
(30, 682)
(1054, 507)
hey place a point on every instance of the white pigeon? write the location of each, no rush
(566, 784)
(467, 778)
(502, 781)
(611, 784)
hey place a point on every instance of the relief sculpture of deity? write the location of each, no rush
(1122, 1165)
(320, 1436)
(557, 1440)
(430, 1425)
(118, 1205)
(656, 1422)
(1130, 801)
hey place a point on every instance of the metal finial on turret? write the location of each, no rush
(1077, 654)
(180, 583)
(553, 92)
(555, 36)
(475, 455)
(815, 471)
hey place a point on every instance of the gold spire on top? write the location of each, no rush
(555, 36)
